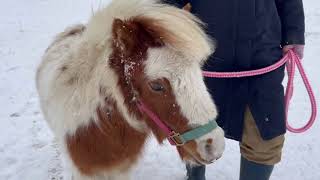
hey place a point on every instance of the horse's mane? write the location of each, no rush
(181, 27)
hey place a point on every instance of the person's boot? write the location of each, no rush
(196, 172)
(254, 171)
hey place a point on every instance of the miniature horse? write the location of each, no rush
(93, 77)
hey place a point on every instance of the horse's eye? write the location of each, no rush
(156, 86)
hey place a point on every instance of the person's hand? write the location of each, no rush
(297, 48)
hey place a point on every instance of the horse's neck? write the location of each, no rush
(113, 143)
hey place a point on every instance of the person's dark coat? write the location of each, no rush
(249, 35)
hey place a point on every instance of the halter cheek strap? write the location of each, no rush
(175, 138)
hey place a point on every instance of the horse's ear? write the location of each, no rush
(136, 32)
(122, 35)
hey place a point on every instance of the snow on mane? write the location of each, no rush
(197, 46)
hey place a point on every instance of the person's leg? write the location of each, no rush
(196, 172)
(253, 171)
(258, 156)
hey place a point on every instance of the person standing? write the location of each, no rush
(250, 34)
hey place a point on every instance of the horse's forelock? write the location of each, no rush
(179, 30)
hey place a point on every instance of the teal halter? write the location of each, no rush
(175, 138)
(181, 139)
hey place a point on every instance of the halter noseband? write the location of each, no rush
(173, 137)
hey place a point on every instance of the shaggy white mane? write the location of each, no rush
(191, 41)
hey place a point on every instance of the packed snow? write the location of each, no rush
(28, 150)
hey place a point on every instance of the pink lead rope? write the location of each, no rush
(292, 60)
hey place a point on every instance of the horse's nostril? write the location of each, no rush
(208, 148)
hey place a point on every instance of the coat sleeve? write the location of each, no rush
(292, 20)
(178, 3)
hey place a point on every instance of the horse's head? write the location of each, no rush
(157, 57)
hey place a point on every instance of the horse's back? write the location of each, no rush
(77, 29)
(52, 77)
(60, 48)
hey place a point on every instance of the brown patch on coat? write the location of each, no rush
(102, 92)
(71, 81)
(64, 68)
(106, 144)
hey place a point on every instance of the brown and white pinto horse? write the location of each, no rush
(92, 76)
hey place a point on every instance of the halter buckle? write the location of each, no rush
(176, 139)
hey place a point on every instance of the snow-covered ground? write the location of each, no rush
(27, 148)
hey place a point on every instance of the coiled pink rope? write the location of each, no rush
(291, 60)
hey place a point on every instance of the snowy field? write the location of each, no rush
(27, 148)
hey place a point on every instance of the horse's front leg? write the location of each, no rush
(76, 175)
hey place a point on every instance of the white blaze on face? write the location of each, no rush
(192, 96)
(186, 79)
